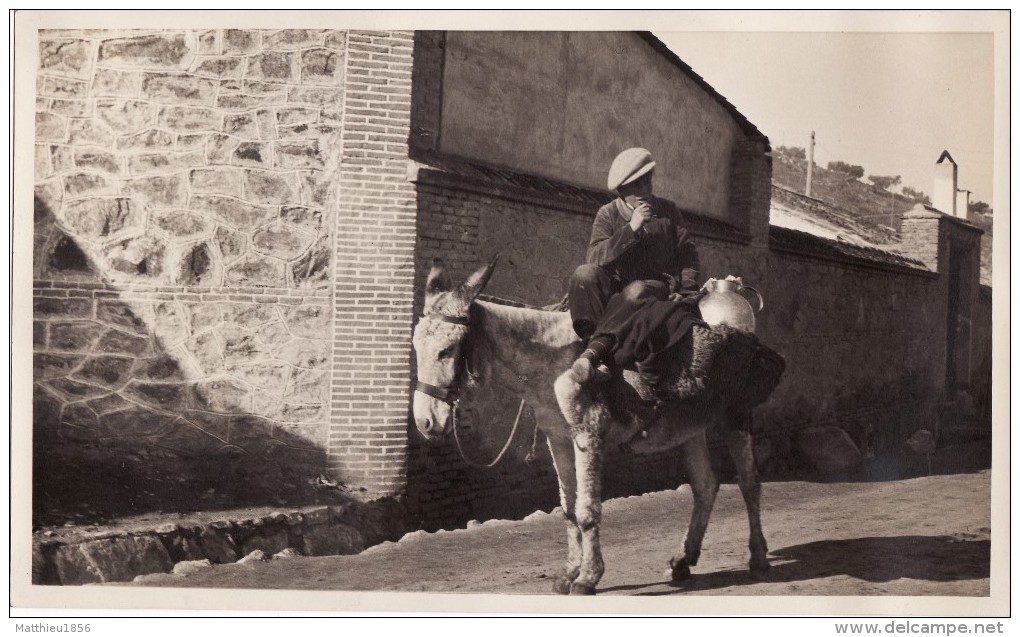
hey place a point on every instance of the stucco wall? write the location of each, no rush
(562, 105)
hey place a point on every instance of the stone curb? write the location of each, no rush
(122, 555)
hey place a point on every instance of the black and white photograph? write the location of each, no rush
(695, 312)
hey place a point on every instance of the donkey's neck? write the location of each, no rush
(521, 349)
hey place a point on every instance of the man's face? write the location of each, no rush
(637, 192)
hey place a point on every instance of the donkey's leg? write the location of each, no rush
(562, 449)
(588, 422)
(588, 456)
(704, 487)
(742, 452)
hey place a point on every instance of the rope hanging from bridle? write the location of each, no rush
(451, 396)
(502, 452)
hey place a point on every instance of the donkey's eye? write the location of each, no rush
(448, 352)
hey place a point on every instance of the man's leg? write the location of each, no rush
(591, 287)
(615, 320)
(638, 291)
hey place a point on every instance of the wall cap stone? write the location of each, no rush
(922, 211)
(815, 247)
(69, 556)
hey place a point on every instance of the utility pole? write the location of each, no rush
(892, 208)
(810, 163)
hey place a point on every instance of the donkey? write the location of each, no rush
(464, 344)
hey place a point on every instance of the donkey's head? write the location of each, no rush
(439, 342)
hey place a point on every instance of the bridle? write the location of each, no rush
(451, 396)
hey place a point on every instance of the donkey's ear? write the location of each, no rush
(437, 281)
(476, 282)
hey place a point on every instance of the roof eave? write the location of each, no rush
(745, 124)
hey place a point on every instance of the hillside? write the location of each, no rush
(867, 204)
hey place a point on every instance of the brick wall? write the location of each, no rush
(374, 267)
(749, 162)
(426, 99)
(184, 225)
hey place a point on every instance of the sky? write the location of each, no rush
(890, 102)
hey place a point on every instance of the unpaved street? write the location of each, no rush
(924, 536)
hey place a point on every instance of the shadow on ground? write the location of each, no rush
(93, 484)
(872, 559)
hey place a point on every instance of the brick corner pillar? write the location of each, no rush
(373, 274)
(922, 232)
(751, 188)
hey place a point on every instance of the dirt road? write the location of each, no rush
(925, 536)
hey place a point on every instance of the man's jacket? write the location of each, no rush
(662, 250)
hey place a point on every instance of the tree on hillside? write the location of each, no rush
(884, 182)
(979, 207)
(853, 170)
(916, 195)
(794, 152)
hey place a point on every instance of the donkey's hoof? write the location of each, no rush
(581, 589)
(679, 569)
(562, 584)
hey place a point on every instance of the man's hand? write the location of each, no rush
(642, 213)
(687, 297)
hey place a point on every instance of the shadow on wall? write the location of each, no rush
(146, 404)
(444, 491)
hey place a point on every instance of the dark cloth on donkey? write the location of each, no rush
(645, 326)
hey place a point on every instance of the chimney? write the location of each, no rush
(963, 203)
(943, 196)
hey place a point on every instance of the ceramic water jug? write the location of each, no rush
(727, 303)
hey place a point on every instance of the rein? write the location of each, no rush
(502, 452)
(451, 396)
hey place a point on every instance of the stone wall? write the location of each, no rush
(184, 218)
(862, 347)
(191, 157)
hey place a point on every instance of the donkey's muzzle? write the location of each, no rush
(425, 425)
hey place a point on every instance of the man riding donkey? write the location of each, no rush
(637, 294)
